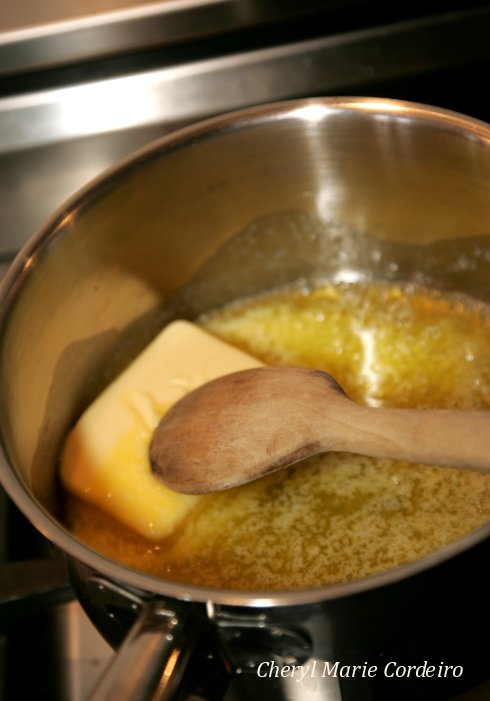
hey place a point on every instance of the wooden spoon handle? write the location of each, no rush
(434, 437)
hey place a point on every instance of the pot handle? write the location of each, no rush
(153, 655)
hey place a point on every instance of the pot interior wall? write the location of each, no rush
(316, 191)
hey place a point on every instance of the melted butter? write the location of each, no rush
(335, 517)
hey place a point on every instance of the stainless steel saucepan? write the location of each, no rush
(341, 187)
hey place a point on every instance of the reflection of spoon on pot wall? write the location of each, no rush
(246, 424)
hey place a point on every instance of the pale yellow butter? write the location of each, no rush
(105, 458)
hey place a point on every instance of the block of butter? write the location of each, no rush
(105, 457)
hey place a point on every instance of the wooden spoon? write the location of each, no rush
(246, 424)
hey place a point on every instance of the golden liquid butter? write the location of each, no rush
(334, 517)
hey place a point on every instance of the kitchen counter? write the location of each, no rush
(48, 34)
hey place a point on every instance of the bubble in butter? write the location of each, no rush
(105, 458)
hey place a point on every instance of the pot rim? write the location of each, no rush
(308, 109)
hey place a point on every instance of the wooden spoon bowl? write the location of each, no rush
(244, 425)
